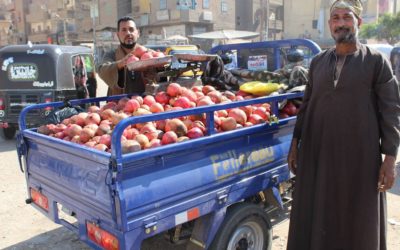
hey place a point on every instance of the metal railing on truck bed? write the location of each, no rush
(145, 191)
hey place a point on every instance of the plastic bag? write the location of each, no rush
(214, 74)
(58, 115)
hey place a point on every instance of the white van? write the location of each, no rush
(385, 49)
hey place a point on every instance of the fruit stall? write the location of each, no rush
(193, 163)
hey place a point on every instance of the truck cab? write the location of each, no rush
(32, 74)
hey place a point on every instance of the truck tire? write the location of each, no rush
(9, 132)
(246, 226)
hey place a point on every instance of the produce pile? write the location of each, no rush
(94, 127)
(142, 53)
(263, 83)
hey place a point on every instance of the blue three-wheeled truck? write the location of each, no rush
(214, 190)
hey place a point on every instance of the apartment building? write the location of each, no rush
(160, 19)
(109, 11)
(59, 21)
(71, 22)
(12, 22)
(5, 22)
(265, 17)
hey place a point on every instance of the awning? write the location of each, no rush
(226, 34)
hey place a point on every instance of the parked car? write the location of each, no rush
(385, 49)
(395, 60)
(39, 74)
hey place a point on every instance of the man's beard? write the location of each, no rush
(346, 37)
(128, 46)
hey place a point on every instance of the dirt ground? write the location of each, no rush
(23, 227)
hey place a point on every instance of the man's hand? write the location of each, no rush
(387, 174)
(124, 61)
(292, 156)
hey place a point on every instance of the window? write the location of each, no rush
(206, 4)
(163, 4)
(186, 4)
(224, 6)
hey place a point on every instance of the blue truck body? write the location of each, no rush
(137, 195)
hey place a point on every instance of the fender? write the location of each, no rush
(205, 229)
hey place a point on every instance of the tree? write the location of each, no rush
(387, 28)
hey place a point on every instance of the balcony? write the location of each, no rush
(67, 14)
(38, 38)
(162, 17)
(189, 16)
(37, 32)
(276, 2)
(207, 16)
(37, 17)
(276, 24)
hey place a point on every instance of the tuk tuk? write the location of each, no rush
(40, 73)
(395, 60)
(266, 55)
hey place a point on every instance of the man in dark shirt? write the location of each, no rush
(349, 118)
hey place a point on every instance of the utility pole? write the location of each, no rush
(264, 24)
(266, 20)
(262, 20)
(94, 12)
(64, 20)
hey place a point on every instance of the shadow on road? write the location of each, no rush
(63, 239)
(279, 216)
(7, 145)
(396, 188)
(60, 238)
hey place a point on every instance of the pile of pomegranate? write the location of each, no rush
(142, 53)
(94, 127)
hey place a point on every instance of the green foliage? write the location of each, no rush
(387, 27)
(369, 30)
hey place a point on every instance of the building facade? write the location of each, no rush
(265, 17)
(13, 28)
(59, 21)
(72, 21)
(161, 19)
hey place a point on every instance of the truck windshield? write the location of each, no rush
(27, 71)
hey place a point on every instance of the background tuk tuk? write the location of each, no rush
(32, 74)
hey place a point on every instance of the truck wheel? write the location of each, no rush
(246, 226)
(9, 132)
